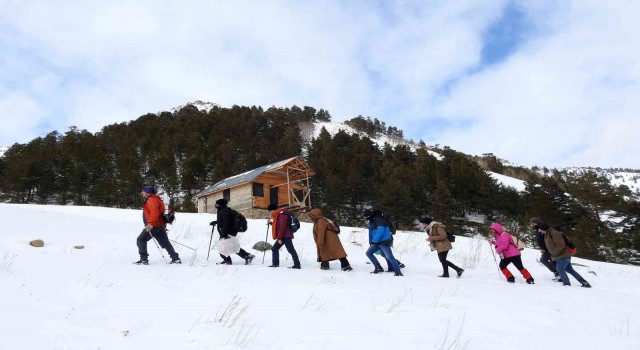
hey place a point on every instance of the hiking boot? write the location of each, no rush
(401, 265)
(378, 270)
(224, 262)
(530, 281)
(142, 262)
(324, 266)
(274, 265)
(398, 274)
(175, 261)
(347, 268)
(249, 259)
(585, 284)
(295, 267)
(459, 272)
(444, 275)
(511, 279)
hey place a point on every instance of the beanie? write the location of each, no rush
(149, 189)
(272, 207)
(222, 202)
(425, 220)
(535, 220)
(368, 213)
(543, 226)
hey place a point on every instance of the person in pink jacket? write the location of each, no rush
(509, 253)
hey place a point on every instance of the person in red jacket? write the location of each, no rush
(281, 232)
(154, 227)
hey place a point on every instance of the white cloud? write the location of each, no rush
(96, 63)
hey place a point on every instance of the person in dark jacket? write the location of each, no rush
(227, 228)
(154, 227)
(380, 240)
(437, 238)
(328, 245)
(560, 254)
(281, 232)
(545, 256)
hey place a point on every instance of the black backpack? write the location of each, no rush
(168, 216)
(239, 221)
(294, 223)
(450, 236)
(390, 224)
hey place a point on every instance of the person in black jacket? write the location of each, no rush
(545, 257)
(226, 228)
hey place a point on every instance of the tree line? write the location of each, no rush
(187, 150)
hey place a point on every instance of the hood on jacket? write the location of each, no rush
(497, 227)
(315, 214)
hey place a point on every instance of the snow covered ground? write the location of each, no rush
(58, 297)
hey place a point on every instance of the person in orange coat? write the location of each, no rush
(328, 245)
(154, 227)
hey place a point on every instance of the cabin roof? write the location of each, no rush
(301, 171)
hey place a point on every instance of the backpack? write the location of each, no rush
(239, 221)
(450, 236)
(169, 216)
(294, 223)
(517, 242)
(568, 244)
(333, 226)
(390, 224)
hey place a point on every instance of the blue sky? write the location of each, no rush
(543, 84)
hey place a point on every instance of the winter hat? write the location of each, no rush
(222, 202)
(272, 207)
(543, 226)
(496, 227)
(149, 189)
(368, 213)
(425, 220)
(535, 220)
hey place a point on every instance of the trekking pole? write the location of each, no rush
(186, 246)
(264, 252)
(157, 245)
(494, 259)
(213, 226)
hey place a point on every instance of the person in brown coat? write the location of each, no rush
(437, 238)
(327, 241)
(560, 254)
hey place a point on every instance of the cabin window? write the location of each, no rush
(299, 195)
(226, 194)
(258, 189)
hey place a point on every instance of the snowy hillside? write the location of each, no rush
(58, 297)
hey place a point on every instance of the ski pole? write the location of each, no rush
(213, 226)
(186, 246)
(157, 245)
(494, 259)
(264, 252)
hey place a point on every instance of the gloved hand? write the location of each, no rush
(224, 236)
(213, 223)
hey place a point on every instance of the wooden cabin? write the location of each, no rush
(283, 183)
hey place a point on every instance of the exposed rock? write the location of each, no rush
(37, 243)
(262, 246)
(78, 247)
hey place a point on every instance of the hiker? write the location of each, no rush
(282, 233)
(380, 240)
(437, 238)
(509, 253)
(227, 228)
(328, 245)
(154, 227)
(560, 254)
(545, 256)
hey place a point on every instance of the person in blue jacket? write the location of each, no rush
(380, 240)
